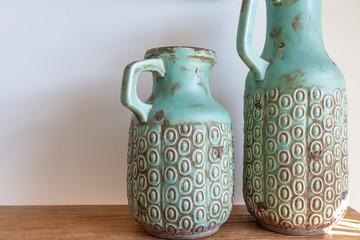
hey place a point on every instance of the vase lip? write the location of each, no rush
(192, 52)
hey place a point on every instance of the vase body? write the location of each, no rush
(180, 160)
(295, 132)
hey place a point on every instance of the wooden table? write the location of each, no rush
(114, 222)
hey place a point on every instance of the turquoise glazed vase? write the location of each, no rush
(295, 132)
(180, 155)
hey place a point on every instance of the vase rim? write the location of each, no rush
(183, 50)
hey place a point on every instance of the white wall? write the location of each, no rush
(63, 130)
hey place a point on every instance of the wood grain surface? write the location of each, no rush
(113, 222)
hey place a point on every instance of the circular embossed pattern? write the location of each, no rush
(257, 133)
(271, 182)
(316, 95)
(153, 195)
(316, 112)
(199, 179)
(257, 166)
(183, 182)
(284, 157)
(185, 129)
(299, 204)
(184, 166)
(171, 195)
(273, 94)
(185, 186)
(171, 136)
(271, 200)
(298, 133)
(270, 164)
(258, 114)
(198, 158)
(200, 215)
(284, 175)
(214, 135)
(300, 96)
(153, 158)
(271, 129)
(184, 146)
(285, 211)
(304, 151)
(299, 113)
(285, 193)
(270, 146)
(153, 138)
(199, 138)
(283, 138)
(285, 101)
(171, 175)
(272, 111)
(257, 150)
(285, 121)
(299, 186)
(298, 151)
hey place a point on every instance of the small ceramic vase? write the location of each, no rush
(180, 156)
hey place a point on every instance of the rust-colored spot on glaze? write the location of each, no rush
(316, 156)
(151, 98)
(202, 58)
(291, 77)
(140, 205)
(281, 45)
(159, 115)
(296, 23)
(195, 105)
(183, 69)
(294, 1)
(174, 88)
(217, 152)
(258, 105)
(243, 5)
(202, 85)
(196, 70)
(275, 32)
(261, 206)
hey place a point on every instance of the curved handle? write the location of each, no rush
(256, 64)
(129, 97)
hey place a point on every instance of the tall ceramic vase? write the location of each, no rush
(295, 147)
(180, 157)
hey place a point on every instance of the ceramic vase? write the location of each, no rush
(295, 132)
(180, 153)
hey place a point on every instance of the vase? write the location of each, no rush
(180, 155)
(295, 178)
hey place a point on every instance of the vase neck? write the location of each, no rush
(187, 72)
(293, 27)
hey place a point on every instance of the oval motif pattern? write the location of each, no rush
(295, 157)
(168, 179)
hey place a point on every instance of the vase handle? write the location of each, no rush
(256, 64)
(129, 97)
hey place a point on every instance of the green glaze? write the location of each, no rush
(295, 147)
(180, 158)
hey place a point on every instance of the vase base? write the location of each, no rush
(292, 231)
(186, 235)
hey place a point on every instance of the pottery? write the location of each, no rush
(180, 154)
(295, 132)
